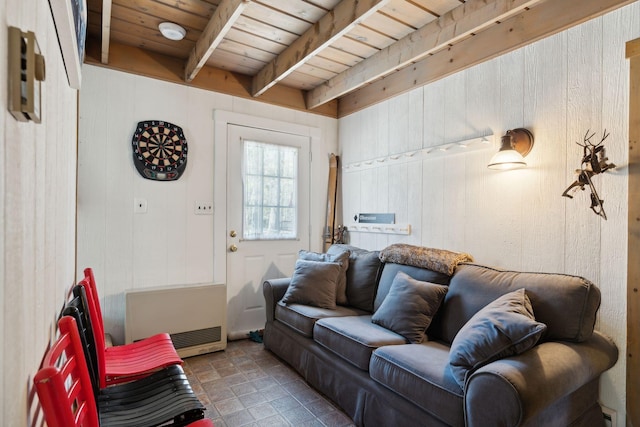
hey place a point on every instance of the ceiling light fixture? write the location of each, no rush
(516, 144)
(172, 31)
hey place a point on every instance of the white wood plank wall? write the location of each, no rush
(37, 215)
(558, 88)
(168, 245)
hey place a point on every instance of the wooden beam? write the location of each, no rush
(225, 15)
(346, 15)
(452, 27)
(633, 252)
(106, 30)
(549, 17)
(145, 63)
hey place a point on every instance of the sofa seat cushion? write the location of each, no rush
(354, 338)
(302, 317)
(421, 373)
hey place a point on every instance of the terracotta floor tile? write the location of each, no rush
(274, 421)
(228, 406)
(297, 416)
(240, 418)
(336, 419)
(285, 403)
(243, 388)
(247, 386)
(252, 399)
(264, 410)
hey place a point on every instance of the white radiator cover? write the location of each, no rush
(195, 316)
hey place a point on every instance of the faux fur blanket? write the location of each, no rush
(439, 260)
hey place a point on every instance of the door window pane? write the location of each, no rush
(270, 174)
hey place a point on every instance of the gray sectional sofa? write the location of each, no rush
(424, 337)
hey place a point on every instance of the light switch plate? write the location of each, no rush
(139, 206)
(203, 208)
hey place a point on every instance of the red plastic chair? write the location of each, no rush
(205, 422)
(63, 406)
(123, 363)
(66, 396)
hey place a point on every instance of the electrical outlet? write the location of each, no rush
(609, 416)
(203, 208)
(139, 206)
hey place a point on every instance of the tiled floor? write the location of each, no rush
(246, 385)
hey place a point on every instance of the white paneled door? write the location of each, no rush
(267, 217)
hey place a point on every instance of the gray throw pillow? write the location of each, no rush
(313, 283)
(505, 327)
(341, 258)
(409, 307)
(362, 275)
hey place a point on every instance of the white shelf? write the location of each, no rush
(379, 228)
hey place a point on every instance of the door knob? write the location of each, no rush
(233, 233)
(233, 248)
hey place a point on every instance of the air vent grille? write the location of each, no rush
(197, 337)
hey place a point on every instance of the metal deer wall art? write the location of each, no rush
(594, 162)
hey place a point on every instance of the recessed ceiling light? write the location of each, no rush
(172, 31)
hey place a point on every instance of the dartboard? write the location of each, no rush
(159, 150)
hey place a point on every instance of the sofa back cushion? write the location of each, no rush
(390, 270)
(362, 275)
(566, 304)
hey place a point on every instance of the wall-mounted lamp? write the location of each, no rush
(172, 31)
(515, 145)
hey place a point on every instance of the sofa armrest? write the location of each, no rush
(512, 390)
(273, 291)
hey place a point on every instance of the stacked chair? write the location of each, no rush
(70, 384)
(67, 399)
(126, 362)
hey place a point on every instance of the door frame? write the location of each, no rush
(222, 119)
(632, 355)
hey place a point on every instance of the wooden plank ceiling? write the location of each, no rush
(332, 57)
